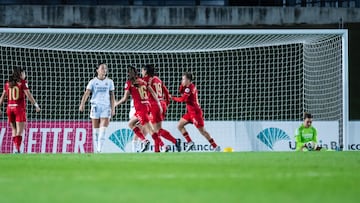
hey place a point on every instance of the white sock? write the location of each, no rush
(134, 145)
(101, 139)
(95, 137)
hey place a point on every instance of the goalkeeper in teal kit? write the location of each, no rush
(306, 135)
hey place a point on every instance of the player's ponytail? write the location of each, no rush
(132, 75)
(16, 76)
(150, 70)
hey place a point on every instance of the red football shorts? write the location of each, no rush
(16, 114)
(142, 113)
(156, 116)
(195, 118)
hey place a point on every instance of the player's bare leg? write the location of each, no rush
(136, 142)
(181, 127)
(13, 135)
(138, 133)
(166, 134)
(13, 129)
(17, 130)
(209, 138)
(157, 141)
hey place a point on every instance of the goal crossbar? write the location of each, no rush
(156, 40)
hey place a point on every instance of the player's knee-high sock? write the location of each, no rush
(187, 137)
(166, 134)
(157, 140)
(95, 137)
(101, 139)
(138, 133)
(161, 143)
(15, 141)
(212, 142)
(134, 145)
(19, 142)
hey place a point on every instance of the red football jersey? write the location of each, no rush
(190, 96)
(157, 85)
(16, 95)
(138, 92)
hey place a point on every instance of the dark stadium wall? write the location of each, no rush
(83, 16)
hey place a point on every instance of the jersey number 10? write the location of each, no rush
(14, 93)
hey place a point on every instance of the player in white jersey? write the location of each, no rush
(102, 102)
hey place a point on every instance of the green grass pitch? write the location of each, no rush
(181, 177)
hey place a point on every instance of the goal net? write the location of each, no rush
(241, 75)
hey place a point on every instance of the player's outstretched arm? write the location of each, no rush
(83, 100)
(183, 98)
(123, 99)
(32, 100)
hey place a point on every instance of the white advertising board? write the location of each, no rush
(354, 136)
(241, 136)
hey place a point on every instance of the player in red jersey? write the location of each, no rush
(15, 91)
(138, 89)
(162, 93)
(194, 112)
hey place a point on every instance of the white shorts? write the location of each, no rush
(132, 112)
(100, 111)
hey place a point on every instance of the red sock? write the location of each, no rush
(17, 142)
(165, 134)
(187, 137)
(212, 142)
(161, 143)
(138, 133)
(156, 138)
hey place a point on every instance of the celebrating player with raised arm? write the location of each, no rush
(138, 89)
(148, 73)
(102, 102)
(15, 90)
(194, 113)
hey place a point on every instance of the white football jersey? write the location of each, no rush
(100, 91)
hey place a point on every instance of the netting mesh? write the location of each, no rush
(247, 84)
(239, 77)
(323, 89)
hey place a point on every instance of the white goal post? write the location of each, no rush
(242, 75)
